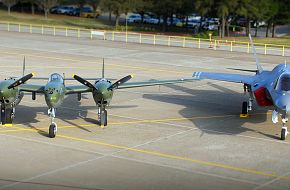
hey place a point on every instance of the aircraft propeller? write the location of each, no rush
(84, 82)
(119, 82)
(21, 81)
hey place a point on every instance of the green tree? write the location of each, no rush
(166, 9)
(95, 5)
(9, 4)
(223, 9)
(282, 14)
(46, 5)
(203, 8)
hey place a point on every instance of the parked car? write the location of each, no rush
(211, 25)
(134, 18)
(64, 10)
(54, 9)
(86, 12)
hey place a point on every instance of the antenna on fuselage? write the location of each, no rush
(103, 69)
(23, 67)
(259, 67)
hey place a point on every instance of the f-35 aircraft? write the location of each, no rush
(269, 88)
(103, 90)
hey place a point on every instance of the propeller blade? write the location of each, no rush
(119, 82)
(84, 82)
(21, 81)
(247, 70)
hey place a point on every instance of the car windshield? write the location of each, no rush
(56, 78)
(284, 82)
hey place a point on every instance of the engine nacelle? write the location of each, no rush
(263, 97)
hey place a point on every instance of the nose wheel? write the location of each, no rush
(52, 130)
(102, 116)
(284, 130)
(53, 126)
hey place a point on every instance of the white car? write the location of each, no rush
(134, 18)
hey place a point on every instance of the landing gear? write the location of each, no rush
(102, 115)
(246, 107)
(52, 130)
(53, 126)
(7, 114)
(284, 131)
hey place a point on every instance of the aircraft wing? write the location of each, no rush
(237, 78)
(77, 89)
(153, 83)
(31, 88)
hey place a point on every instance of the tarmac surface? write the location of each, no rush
(185, 136)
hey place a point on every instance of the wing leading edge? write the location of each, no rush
(153, 83)
(237, 78)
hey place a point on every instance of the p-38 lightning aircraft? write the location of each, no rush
(11, 95)
(103, 90)
(269, 88)
(55, 90)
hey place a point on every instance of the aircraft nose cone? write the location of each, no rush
(283, 104)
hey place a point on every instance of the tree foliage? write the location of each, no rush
(46, 5)
(9, 4)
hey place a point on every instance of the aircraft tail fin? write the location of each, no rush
(259, 67)
(103, 69)
(23, 67)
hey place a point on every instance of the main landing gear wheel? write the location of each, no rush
(7, 114)
(104, 118)
(283, 134)
(52, 130)
(245, 108)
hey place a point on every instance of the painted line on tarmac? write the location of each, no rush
(15, 129)
(154, 153)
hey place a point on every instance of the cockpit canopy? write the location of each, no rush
(283, 83)
(55, 78)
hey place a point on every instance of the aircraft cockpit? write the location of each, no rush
(283, 83)
(55, 78)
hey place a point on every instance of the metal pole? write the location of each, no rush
(183, 43)
(140, 38)
(126, 28)
(265, 49)
(283, 51)
(198, 43)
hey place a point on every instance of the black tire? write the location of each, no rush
(52, 131)
(245, 108)
(104, 118)
(283, 134)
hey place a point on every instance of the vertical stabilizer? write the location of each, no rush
(259, 67)
(103, 69)
(23, 67)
